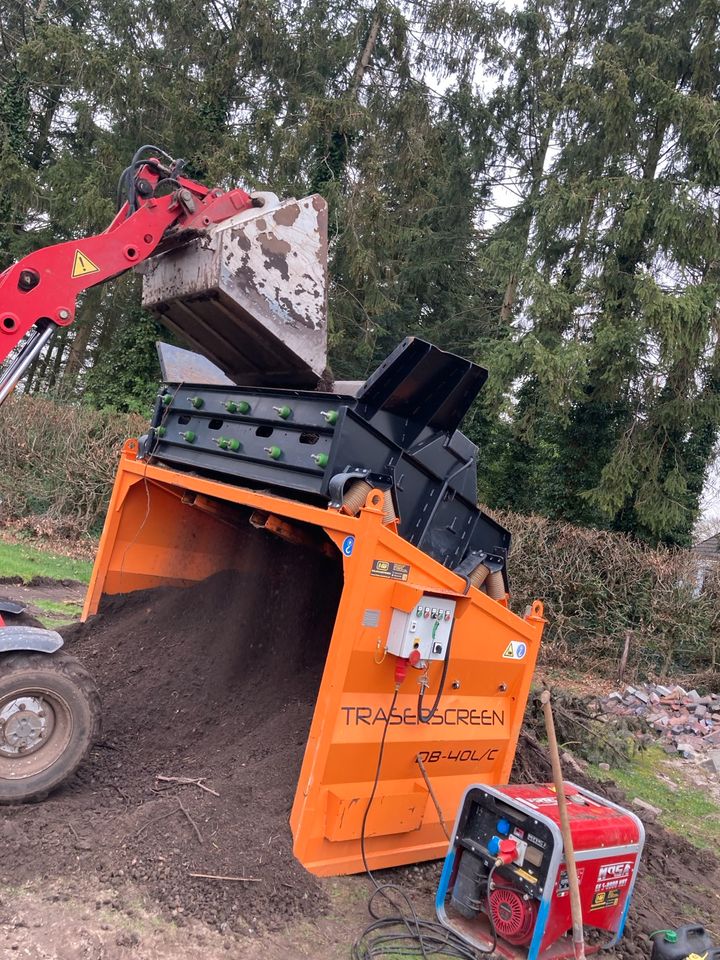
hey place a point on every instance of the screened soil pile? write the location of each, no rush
(216, 681)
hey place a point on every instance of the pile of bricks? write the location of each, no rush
(685, 722)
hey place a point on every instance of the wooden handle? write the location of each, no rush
(570, 866)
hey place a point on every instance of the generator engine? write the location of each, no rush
(504, 885)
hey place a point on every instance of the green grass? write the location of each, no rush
(18, 560)
(64, 610)
(686, 810)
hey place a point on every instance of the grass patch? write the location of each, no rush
(685, 810)
(18, 560)
(64, 610)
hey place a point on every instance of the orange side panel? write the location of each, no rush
(168, 527)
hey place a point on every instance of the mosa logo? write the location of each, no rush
(615, 871)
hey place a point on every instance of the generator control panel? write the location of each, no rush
(426, 629)
(487, 821)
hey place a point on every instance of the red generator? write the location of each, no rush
(504, 885)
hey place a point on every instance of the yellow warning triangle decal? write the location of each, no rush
(510, 652)
(83, 265)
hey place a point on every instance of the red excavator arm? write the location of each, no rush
(38, 294)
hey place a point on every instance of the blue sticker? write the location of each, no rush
(348, 546)
(520, 650)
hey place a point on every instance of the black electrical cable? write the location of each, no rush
(491, 918)
(403, 933)
(427, 717)
(376, 781)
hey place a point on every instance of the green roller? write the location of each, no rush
(273, 452)
(331, 416)
(160, 431)
(242, 407)
(197, 402)
(166, 399)
(284, 411)
(189, 436)
(321, 459)
(229, 443)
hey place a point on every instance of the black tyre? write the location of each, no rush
(21, 620)
(49, 720)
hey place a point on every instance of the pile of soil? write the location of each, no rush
(218, 681)
(194, 684)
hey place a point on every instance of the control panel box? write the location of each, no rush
(426, 628)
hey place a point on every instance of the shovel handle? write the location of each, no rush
(570, 866)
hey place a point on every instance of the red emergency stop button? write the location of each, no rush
(414, 658)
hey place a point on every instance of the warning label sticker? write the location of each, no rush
(83, 265)
(563, 887)
(390, 570)
(604, 899)
(515, 650)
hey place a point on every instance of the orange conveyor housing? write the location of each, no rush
(165, 527)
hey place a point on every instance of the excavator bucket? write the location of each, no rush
(250, 294)
(358, 515)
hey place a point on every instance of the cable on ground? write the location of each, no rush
(400, 932)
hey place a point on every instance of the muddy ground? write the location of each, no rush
(102, 869)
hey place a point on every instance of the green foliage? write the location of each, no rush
(535, 188)
(601, 589)
(59, 461)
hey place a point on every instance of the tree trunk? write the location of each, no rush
(361, 67)
(60, 339)
(509, 299)
(83, 329)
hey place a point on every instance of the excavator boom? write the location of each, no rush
(39, 293)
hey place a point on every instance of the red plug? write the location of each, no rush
(401, 669)
(402, 664)
(507, 852)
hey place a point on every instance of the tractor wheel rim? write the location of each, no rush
(35, 729)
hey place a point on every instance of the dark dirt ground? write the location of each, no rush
(110, 854)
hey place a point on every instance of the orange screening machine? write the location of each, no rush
(365, 505)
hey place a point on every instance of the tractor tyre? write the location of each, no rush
(49, 720)
(21, 620)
